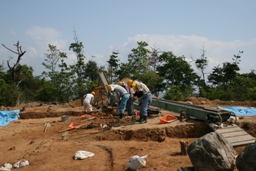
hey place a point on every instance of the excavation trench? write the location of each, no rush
(172, 130)
(151, 131)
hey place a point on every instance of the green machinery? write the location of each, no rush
(191, 111)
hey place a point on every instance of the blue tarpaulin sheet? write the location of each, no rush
(240, 111)
(8, 116)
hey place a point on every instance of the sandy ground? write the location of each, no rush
(46, 149)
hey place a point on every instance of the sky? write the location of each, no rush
(221, 27)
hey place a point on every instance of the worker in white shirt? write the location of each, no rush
(88, 100)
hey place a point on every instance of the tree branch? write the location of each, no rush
(9, 49)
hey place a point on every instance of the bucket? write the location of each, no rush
(167, 119)
(64, 118)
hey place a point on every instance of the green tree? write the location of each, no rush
(225, 75)
(48, 92)
(153, 81)
(91, 71)
(91, 75)
(124, 71)
(113, 65)
(201, 65)
(77, 47)
(138, 59)
(51, 62)
(177, 72)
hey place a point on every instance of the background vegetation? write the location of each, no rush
(169, 76)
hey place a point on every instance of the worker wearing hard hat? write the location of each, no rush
(88, 100)
(145, 97)
(129, 105)
(122, 97)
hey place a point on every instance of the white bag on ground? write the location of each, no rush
(137, 162)
(21, 163)
(82, 155)
(6, 167)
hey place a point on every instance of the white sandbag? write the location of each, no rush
(137, 162)
(82, 155)
(6, 167)
(21, 163)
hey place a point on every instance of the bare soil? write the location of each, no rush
(46, 149)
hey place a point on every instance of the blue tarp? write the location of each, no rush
(240, 111)
(8, 116)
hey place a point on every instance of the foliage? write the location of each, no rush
(138, 59)
(153, 58)
(152, 80)
(48, 92)
(201, 65)
(176, 93)
(51, 61)
(113, 66)
(77, 47)
(176, 71)
(9, 93)
(91, 71)
(162, 72)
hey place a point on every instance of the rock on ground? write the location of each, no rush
(211, 152)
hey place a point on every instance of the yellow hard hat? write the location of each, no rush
(119, 82)
(93, 93)
(129, 82)
(109, 88)
(134, 86)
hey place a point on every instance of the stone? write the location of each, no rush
(246, 160)
(212, 152)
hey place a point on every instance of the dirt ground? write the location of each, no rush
(53, 147)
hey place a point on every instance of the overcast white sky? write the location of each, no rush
(223, 27)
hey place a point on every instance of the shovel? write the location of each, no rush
(74, 125)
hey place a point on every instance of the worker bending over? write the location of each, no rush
(145, 98)
(122, 97)
(87, 103)
(129, 105)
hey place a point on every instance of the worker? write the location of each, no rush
(145, 98)
(122, 97)
(129, 105)
(88, 100)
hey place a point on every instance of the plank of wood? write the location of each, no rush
(234, 134)
(242, 143)
(229, 129)
(240, 138)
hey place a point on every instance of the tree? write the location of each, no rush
(124, 71)
(77, 47)
(153, 58)
(177, 72)
(222, 76)
(20, 54)
(153, 81)
(201, 64)
(91, 71)
(51, 61)
(113, 65)
(138, 59)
